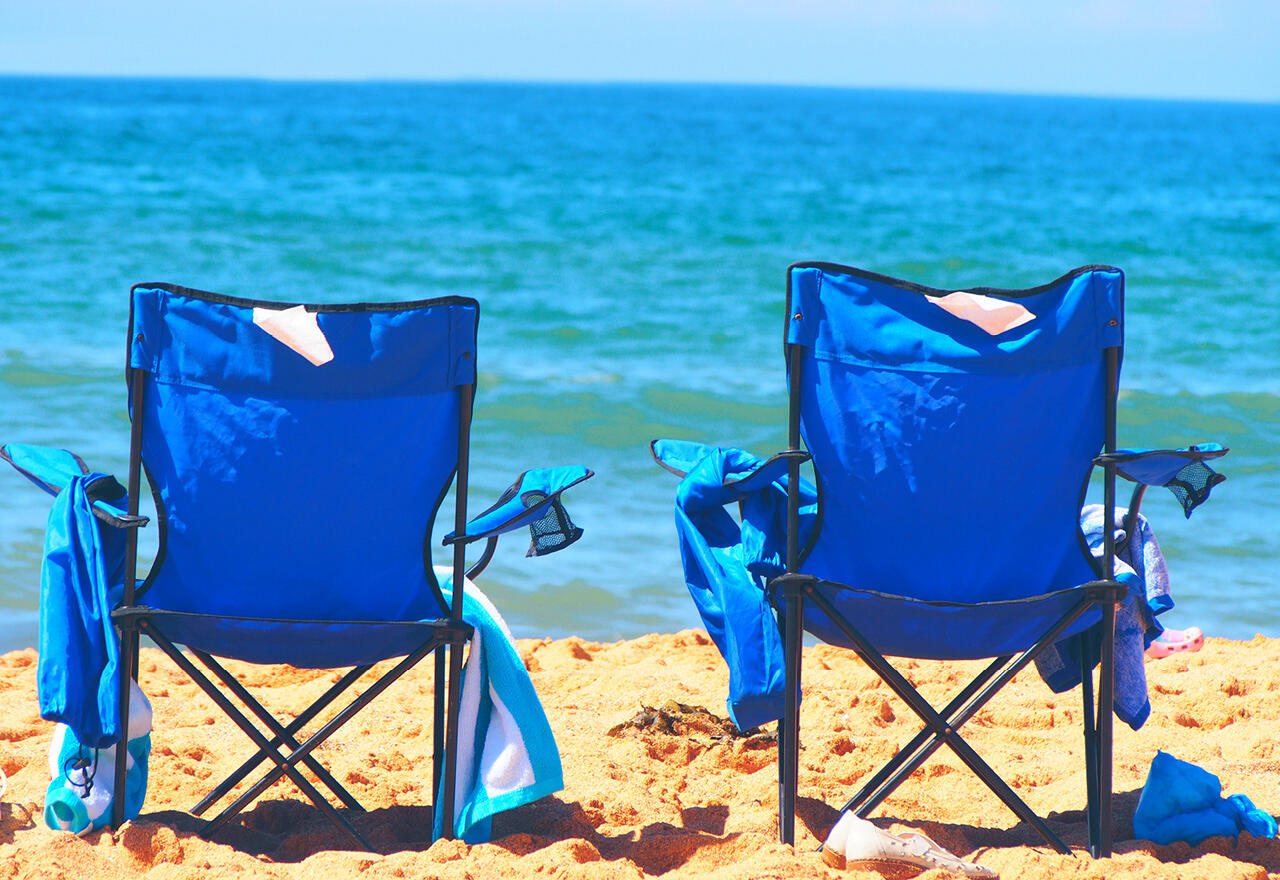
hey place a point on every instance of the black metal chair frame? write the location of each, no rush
(791, 592)
(445, 638)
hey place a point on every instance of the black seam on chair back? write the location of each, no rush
(247, 302)
(901, 284)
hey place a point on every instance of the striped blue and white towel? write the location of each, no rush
(507, 755)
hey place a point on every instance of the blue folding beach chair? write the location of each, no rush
(952, 436)
(297, 456)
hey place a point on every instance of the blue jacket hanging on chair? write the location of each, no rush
(80, 582)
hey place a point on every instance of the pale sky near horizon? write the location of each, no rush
(1200, 49)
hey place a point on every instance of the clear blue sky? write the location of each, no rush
(1164, 48)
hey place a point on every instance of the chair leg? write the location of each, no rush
(946, 733)
(128, 663)
(1092, 790)
(1106, 696)
(789, 727)
(945, 730)
(284, 766)
(437, 741)
(451, 736)
(287, 765)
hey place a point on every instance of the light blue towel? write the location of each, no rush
(1140, 565)
(507, 755)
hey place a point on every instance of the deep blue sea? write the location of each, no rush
(628, 244)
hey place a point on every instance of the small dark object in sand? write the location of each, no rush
(678, 719)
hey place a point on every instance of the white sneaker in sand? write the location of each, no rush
(856, 843)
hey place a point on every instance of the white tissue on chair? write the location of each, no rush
(297, 328)
(995, 316)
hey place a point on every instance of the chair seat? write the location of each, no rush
(904, 627)
(304, 644)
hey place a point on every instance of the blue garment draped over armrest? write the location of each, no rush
(533, 500)
(52, 470)
(726, 562)
(1182, 471)
(81, 580)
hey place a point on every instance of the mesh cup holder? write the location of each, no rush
(552, 531)
(1192, 484)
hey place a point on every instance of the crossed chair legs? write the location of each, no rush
(272, 736)
(942, 727)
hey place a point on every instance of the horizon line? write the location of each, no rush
(641, 83)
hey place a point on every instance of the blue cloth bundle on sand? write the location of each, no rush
(1184, 802)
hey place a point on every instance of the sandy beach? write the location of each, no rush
(674, 794)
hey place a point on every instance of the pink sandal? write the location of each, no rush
(1175, 641)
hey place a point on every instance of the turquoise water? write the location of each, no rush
(628, 247)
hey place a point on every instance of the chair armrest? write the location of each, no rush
(1182, 471)
(678, 456)
(52, 469)
(745, 470)
(533, 500)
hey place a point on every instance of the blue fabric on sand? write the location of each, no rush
(507, 754)
(1183, 802)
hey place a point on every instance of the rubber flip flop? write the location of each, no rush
(1176, 641)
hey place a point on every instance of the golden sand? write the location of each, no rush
(661, 796)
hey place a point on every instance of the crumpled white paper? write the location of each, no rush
(995, 316)
(297, 328)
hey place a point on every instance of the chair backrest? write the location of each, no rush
(288, 484)
(951, 461)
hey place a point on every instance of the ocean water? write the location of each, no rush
(628, 246)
